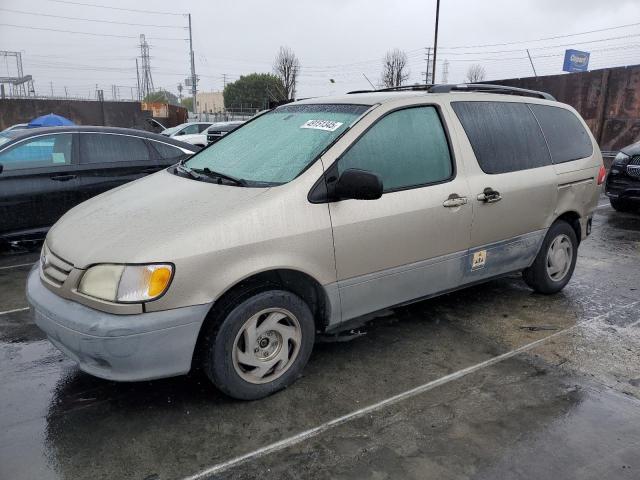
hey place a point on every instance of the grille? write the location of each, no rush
(633, 167)
(54, 269)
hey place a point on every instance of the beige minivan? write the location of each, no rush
(307, 218)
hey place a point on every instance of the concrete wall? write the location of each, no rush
(210, 102)
(111, 114)
(608, 100)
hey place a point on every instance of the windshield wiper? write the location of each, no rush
(182, 169)
(223, 176)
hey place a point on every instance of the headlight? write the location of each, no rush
(621, 159)
(126, 283)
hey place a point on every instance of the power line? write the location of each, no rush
(545, 38)
(90, 19)
(83, 33)
(117, 8)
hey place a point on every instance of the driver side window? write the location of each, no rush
(407, 148)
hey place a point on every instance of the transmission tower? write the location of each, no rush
(20, 85)
(445, 71)
(146, 81)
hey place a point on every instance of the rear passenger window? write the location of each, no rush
(406, 148)
(567, 138)
(110, 148)
(505, 136)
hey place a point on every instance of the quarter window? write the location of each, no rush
(406, 148)
(505, 136)
(565, 134)
(42, 151)
(167, 152)
(111, 148)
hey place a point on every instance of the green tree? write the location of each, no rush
(187, 103)
(162, 96)
(256, 90)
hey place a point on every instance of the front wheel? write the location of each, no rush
(553, 267)
(261, 346)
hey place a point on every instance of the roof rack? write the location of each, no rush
(464, 87)
(490, 88)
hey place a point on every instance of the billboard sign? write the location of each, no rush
(575, 61)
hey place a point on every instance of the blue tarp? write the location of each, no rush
(51, 120)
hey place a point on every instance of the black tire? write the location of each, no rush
(621, 205)
(537, 276)
(219, 344)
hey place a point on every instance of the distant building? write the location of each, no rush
(209, 102)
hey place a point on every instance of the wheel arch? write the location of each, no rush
(295, 281)
(572, 218)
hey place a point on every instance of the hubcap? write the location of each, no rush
(267, 345)
(559, 257)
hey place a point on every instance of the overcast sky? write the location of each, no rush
(334, 39)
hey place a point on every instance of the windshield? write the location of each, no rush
(277, 146)
(4, 138)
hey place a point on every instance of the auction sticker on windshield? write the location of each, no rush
(327, 125)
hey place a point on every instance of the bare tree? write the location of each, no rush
(287, 67)
(476, 73)
(394, 68)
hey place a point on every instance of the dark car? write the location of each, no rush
(623, 181)
(46, 171)
(218, 130)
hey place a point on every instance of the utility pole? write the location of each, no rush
(51, 83)
(66, 94)
(530, 60)
(427, 74)
(194, 80)
(435, 43)
(224, 81)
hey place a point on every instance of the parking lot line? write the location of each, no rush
(23, 309)
(17, 266)
(313, 432)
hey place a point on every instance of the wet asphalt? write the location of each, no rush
(567, 406)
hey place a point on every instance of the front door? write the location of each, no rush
(38, 183)
(411, 242)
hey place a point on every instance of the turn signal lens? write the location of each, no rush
(159, 281)
(601, 175)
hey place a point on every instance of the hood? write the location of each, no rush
(147, 220)
(633, 149)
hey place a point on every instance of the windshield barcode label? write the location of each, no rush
(327, 125)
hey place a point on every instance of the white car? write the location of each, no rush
(189, 128)
(212, 134)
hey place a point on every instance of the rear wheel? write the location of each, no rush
(260, 346)
(621, 205)
(553, 267)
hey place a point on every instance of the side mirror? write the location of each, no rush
(358, 185)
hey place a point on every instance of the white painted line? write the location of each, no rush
(606, 205)
(312, 432)
(18, 266)
(15, 310)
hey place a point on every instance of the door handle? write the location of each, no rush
(62, 178)
(489, 195)
(454, 200)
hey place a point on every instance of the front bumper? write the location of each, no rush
(622, 186)
(118, 347)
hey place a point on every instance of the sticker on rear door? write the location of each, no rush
(326, 125)
(479, 259)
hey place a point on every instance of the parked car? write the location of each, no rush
(17, 126)
(189, 128)
(310, 217)
(46, 171)
(212, 134)
(623, 181)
